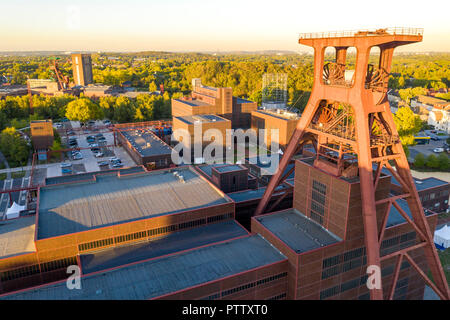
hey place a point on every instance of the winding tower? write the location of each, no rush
(349, 123)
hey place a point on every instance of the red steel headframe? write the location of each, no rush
(355, 116)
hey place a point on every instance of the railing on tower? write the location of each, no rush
(365, 33)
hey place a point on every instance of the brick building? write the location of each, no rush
(281, 120)
(219, 101)
(145, 148)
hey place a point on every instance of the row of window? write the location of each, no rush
(354, 283)
(346, 256)
(431, 196)
(246, 286)
(34, 269)
(151, 233)
(278, 297)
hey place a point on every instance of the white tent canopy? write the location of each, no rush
(14, 210)
(442, 236)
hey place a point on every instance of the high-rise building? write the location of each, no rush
(82, 69)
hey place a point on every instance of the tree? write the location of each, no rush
(419, 160)
(408, 124)
(83, 109)
(432, 162)
(14, 147)
(444, 162)
(124, 110)
(152, 87)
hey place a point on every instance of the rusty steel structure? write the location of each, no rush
(351, 127)
(63, 81)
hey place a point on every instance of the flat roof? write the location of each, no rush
(17, 236)
(193, 102)
(90, 175)
(165, 275)
(250, 194)
(110, 200)
(421, 184)
(169, 244)
(146, 142)
(229, 168)
(297, 231)
(283, 115)
(203, 118)
(241, 100)
(267, 168)
(396, 218)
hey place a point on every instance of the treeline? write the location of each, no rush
(440, 162)
(15, 111)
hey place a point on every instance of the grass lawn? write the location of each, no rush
(445, 260)
(18, 174)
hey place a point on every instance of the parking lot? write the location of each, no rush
(19, 197)
(88, 162)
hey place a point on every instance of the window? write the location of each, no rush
(329, 292)
(331, 261)
(318, 199)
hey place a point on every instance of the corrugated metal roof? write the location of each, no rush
(165, 275)
(297, 231)
(172, 243)
(112, 200)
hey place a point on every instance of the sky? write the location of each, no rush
(201, 25)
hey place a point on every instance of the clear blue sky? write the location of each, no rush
(201, 25)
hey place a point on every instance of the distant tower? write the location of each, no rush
(274, 91)
(82, 69)
(350, 124)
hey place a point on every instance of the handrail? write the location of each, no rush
(357, 33)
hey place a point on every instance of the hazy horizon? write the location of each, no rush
(206, 26)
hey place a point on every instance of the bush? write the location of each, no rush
(419, 160)
(432, 162)
(444, 162)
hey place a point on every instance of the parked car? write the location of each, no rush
(111, 159)
(99, 135)
(103, 163)
(117, 165)
(71, 132)
(65, 165)
(77, 156)
(438, 150)
(99, 154)
(93, 145)
(66, 170)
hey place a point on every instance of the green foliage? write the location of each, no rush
(14, 147)
(445, 96)
(407, 94)
(444, 162)
(432, 162)
(419, 160)
(83, 109)
(408, 125)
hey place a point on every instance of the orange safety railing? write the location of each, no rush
(356, 33)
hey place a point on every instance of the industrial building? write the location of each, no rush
(189, 131)
(179, 226)
(82, 69)
(145, 148)
(315, 221)
(277, 119)
(41, 134)
(218, 101)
